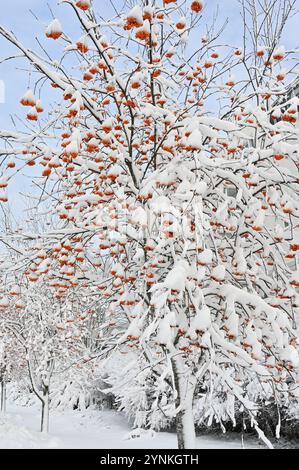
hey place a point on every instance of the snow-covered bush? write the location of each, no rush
(71, 393)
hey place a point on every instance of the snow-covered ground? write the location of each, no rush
(93, 429)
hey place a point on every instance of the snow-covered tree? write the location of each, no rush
(170, 162)
(50, 338)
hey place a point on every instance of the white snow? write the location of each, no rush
(136, 14)
(195, 140)
(54, 28)
(94, 429)
(201, 322)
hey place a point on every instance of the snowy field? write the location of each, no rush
(94, 429)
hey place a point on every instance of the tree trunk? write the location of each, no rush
(3, 397)
(45, 411)
(185, 385)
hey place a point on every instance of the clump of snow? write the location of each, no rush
(54, 29)
(139, 432)
(15, 435)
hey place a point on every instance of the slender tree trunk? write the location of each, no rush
(185, 385)
(45, 411)
(44, 397)
(3, 396)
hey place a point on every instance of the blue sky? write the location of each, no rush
(17, 17)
